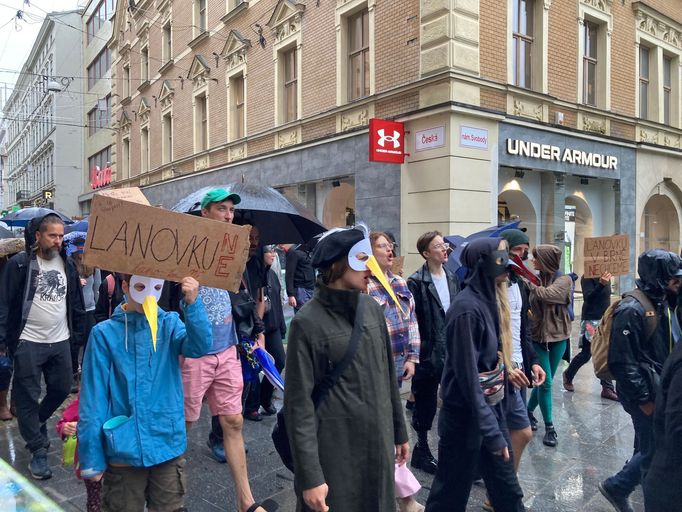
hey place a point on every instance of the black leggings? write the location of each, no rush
(580, 359)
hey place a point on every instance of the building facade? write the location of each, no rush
(98, 136)
(44, 120)
(565, 115)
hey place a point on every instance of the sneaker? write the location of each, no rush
(270, 410)
(253, 416)
(568, 384)
(533, 421)
(217, 451)
(424, 460)
(38, 466)
(550, 438)
(620, 503)
(609, 394)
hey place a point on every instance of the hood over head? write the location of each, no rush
(655, 268)
(485, 262)
(549, 257)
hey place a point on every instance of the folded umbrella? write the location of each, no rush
(267, 364)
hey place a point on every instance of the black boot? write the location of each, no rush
(550, 436)
(423, 459)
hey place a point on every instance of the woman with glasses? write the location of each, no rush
(433, 287)
(402, 329)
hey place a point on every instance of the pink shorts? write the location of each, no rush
(216, 378)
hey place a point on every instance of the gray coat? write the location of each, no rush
(349, 442)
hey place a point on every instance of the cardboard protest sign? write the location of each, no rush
(398, 264)
(136, 239)
(132, 194)
(607, 254)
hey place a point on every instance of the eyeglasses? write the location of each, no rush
(388, 245)
(444, 245)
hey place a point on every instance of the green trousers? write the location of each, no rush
(549, 356)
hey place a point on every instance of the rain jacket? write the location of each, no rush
(348, 442)
(662, 488)
(472, 347)
(123, 376)
(550, 320)
(635, 360)
(17, 291)
(431, 317)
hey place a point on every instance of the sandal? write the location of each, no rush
(267, 505)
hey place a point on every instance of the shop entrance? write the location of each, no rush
(339, 206)
(514, 205)
(661, 224)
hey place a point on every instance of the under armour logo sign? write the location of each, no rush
(395, 138)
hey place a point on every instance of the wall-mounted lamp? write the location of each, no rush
(217, 59)
(519, 174)
(584, 181)
(336, 183)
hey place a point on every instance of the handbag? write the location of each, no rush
(320, 391)
(492, 383)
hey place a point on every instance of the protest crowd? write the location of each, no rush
(126, 361)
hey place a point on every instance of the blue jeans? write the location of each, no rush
(634, 471)
(303, 295)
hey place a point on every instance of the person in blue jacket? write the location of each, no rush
(132, 423)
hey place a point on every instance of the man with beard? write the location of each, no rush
(41, 309)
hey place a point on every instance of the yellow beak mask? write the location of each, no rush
(147, 291)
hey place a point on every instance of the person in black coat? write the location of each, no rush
(433, 287)
(260, 394)
(596, 300)
(472, 425)
(110, 296)
(662, 489)
(299, 276)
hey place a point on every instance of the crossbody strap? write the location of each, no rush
(331, 378)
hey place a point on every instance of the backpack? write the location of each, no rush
(571, 300)
(601, 340)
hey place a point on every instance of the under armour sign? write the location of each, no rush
(386, 141)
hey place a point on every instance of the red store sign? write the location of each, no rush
(100, 177)
(386, 141)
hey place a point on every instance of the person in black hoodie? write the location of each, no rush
(596, 300)
(299, 276)
(472, 427)
(636, 361)
(662, 489)
(41, 314)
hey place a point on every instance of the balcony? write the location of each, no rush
(23, 195)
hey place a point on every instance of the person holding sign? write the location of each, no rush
(131, 429)
(596, 300)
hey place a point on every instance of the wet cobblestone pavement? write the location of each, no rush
(595, 439)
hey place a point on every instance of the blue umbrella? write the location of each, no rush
(81, 225)
(267, 364)
(458, 243)
(21, 218)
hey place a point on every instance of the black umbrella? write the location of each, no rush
(279, 220)
(5, 233)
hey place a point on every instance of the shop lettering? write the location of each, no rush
(429, 139)
(554, 153)
(100, 177)
(474, 138)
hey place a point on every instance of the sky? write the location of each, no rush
(17, 37)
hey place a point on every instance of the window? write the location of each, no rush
(201, 122)
(643, 82)
(590, 37)
(144, 149)
(200, 23)
(125, 158)
(144, 63)
(166, 43)
(290, 86)
(104, 10)
(99, 67)
(99, 116)
(167, 129)
(667, 89)
(522, 41)
(237, 107)
(358, 55)
(126, 81)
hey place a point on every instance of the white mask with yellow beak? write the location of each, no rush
(147, 291)
(360, 258)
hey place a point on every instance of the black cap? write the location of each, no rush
(335, 246)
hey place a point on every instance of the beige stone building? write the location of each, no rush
(563, 114)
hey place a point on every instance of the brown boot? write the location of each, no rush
(5, 414)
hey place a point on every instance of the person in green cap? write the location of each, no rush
(217, 376)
